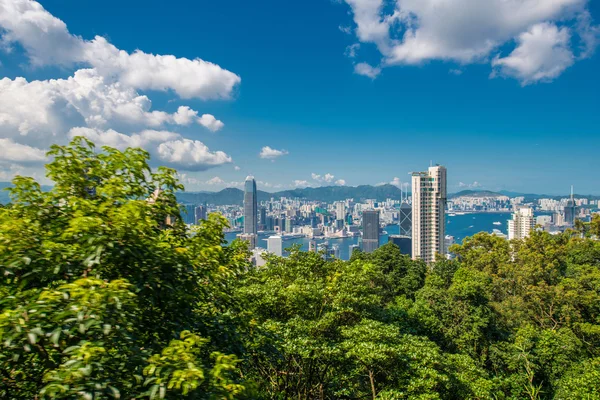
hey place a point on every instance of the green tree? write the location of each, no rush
(99, 279)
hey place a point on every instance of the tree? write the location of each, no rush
(103, 298)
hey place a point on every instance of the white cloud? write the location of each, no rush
(270, 153)
(473, 185)
(345, 29)
(235, 167)
(300, 183)
(45, 109)
(217, 181)
(542, 54)
(327, 178)
(210, 122)
(396, 182)
(367, 70)
(47, 41)
(462, 31)
(191, 155)
(15, 152)
(103, 100)
(165, 147)
(351, 50)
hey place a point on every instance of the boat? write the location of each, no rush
(497, 223)
(471, 226)
(452, 215)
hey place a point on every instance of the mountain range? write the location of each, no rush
(327, 194)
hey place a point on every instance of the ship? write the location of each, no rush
(497, 223)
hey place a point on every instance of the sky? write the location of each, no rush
(505, 94)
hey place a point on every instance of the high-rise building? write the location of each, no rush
(428, 213)
(312, 246)
(405, 224)
(570, 210)
(340, 211)
(250, 213)
(250, 206)
(263, 218)
(199, 214)
(521, 224)
(370, 223)
(275, 245)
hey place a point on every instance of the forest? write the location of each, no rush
(106, 294)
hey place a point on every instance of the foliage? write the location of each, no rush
(105, 293)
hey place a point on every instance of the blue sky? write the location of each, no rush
(520, 115)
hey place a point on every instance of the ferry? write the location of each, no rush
(497, 223)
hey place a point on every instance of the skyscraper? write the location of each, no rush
(570, 210)
(428, 213)
(370, 238)
(521, 224)
(199, 214)
(250, 213)
(405, 224)
(250, 206)
(263, 218)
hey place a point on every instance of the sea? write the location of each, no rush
(459, 226)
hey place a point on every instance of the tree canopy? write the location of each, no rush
(106, 293)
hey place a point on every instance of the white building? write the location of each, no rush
(275, 245)
(428, 213)
(521, 224)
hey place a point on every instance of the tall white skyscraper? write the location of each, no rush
(275, 245)
(428, 213)
(340, 210)
(521, 224)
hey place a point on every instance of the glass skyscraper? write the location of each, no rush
(250, 206)
(370, 223)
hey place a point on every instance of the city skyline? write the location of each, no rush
(221, 95)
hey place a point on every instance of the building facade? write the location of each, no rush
(250, 212)
(521, 224)
(370, 238)
(429, 198)
(275, 245)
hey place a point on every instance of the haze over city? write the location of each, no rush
(313, 94)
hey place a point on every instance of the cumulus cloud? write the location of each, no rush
(168, 148)
(473, 185)
(367, 70)
(300, 183)
(340, 182)
(271, 154)
(101, 100)
(542, 54)
(47, 41)
(217, 181)
(235, 167)
(38, 111)
(15, 152)
(210, 122)
(396, 182)
(327, 178)
(465, 31)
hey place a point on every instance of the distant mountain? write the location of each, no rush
(326, 193)
(475, 193)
